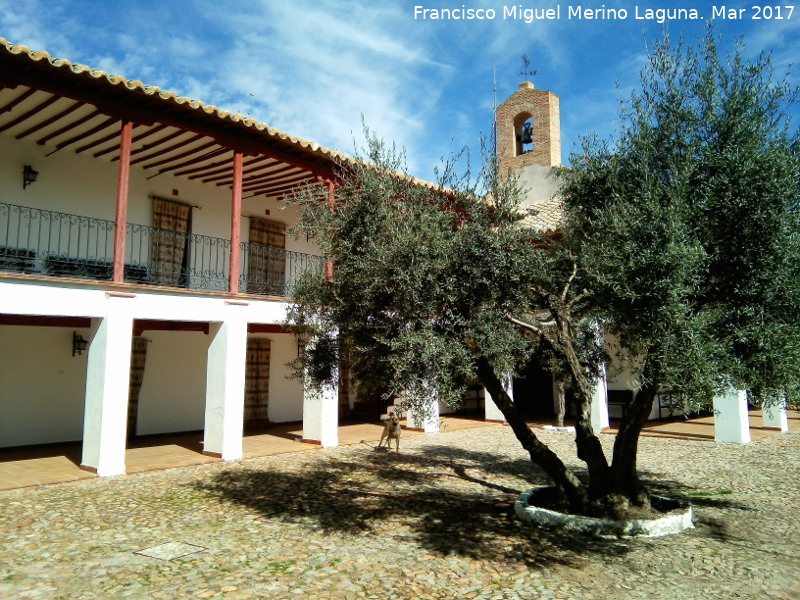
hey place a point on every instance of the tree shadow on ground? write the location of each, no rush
(410, 498)
(704, 501)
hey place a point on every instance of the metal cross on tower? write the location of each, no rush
(526, 70)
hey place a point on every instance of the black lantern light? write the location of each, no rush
(28, 176)
(78, 344)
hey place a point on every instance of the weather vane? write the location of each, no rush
(526, 70)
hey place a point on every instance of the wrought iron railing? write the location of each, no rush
(274, 271)
(53, 243)
(165, 257)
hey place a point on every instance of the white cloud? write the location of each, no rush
(313, 70)
(27, 23)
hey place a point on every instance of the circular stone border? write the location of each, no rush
(678, 519)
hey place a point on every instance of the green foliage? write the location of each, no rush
(681, 238)
(423, 277)
(689, 228)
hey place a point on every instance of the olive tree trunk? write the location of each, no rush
(565, 480)
(624, 476)
(588, 444)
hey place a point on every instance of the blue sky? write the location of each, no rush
(312, 68)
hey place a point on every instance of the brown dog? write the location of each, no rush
(391, 431)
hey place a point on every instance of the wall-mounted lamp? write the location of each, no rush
(28, 176)
(78, 344)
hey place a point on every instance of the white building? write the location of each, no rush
(145, 267)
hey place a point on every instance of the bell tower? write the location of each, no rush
(529, 129)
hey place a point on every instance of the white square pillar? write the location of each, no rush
(224, 418)
(108, 373)
(426, 418)
(491, 412)
(321, 414)
(775, 417)
(599, 412)
(731, 421)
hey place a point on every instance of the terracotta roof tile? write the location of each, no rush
(547, 216)
(167, 96)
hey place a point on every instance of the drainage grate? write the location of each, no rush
(170, 550)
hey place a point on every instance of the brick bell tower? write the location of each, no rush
(529, 129)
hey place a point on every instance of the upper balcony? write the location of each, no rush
(201, 191)
(55, 244)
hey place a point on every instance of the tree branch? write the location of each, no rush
(525, 325)
(583, 295)
(569, 282)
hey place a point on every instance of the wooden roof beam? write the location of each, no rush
(282, 169)
(18, 100)
(168, 149)
(136, 138)
(67, 127)
(140, 107)
(208, 155)
(28, 114)
(38, 127)
(81, 136)
(192, 152)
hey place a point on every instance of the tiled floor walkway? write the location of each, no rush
(702, 428)
(60, 463)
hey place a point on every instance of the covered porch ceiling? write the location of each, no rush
(65, 107)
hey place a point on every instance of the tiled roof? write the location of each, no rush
(138, 87)
(547, 216)
(280, 146)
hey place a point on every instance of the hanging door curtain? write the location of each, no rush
(256, 387)
(170, 226)
(138, 356)
(266, 272)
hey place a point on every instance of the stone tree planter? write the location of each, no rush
(677, 518)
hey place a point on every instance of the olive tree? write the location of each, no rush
(688, 224)
(679, 237)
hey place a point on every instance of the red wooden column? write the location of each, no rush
(331, 204)
(236, 223)
(122, 201)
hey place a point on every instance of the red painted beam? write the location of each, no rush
(122, 201)
(236, 223)
(42, 321)
(331, 206)
(266, 328)
(142, 325)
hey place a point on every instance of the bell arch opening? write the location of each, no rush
(523, 133)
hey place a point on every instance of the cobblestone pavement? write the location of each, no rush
(435, 521)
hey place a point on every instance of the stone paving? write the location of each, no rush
(434, 521)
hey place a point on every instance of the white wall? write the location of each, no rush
(67, 182)
(86, 186)
(42, 386)
(538, 183)
(173, 391)
(621, 377)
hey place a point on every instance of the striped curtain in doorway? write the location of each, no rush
(170, 227)
(138, 357)
(256, 387)
(266, 272)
